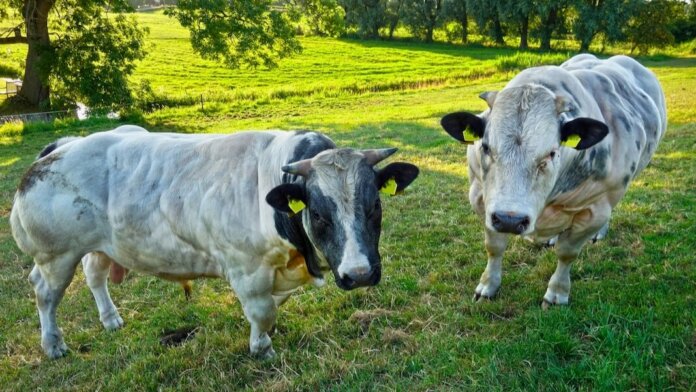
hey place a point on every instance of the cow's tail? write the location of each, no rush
(51, 147)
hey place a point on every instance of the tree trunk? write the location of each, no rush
(465, 26)
(585, 44)
(429, 33)
(547, 29)
(498, 30)
(35, 89)
(524, 28)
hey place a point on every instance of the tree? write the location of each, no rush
(519, 12)
(456, 10)
(86, 49)
(367, 15)
(393, 15)
(240, 33)
(323, 17)
(422, 17)
(487, 16)
(550, 19)
(601, 16)
(649, 27)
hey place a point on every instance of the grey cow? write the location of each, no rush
(189, 206)
(555, 152)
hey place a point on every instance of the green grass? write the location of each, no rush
(630, 325)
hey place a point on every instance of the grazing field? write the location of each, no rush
(630, 324)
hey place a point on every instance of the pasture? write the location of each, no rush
(632, 318)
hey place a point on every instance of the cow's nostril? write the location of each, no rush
(495, 219)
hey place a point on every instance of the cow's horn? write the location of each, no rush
(301, 168)
(373, 157)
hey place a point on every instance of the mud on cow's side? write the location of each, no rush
(267, 211)
(555, 152)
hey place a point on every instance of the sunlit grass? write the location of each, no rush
(630, 325)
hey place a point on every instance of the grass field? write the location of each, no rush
(630, 325)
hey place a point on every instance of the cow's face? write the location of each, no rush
(518, 146)
(342, 213)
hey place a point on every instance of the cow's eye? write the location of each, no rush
(552, 154)
(484, 147)
(318, 218)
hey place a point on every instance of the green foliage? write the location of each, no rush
(608, 17)
(456, 11)
(683, 26)
(94, 55)
(368, 16)
(422, 17)
(240, 33)
(324, 18)
(630, 325)
(649, 27)
(487, 14)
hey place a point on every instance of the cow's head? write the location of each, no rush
(518, 144)
(340, 207)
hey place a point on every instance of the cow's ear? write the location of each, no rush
(463, 126)
(582, 133)
(395, 177)
(288, 198)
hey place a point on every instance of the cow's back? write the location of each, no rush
(631, 100)
(145, 197)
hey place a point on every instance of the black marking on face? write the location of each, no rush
(326, 226)
(638, 145)
(291, 228)
(625, 180)
(633, 167)
(649, 148)
(599, 164)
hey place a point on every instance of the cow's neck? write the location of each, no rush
(291, 229)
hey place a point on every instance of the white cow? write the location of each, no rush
(189, 206)
(555, 152)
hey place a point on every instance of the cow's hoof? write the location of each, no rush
(485, 291)
(113, 323)
(56, 350)
(546, 304)
(480, 298)
(266, 354)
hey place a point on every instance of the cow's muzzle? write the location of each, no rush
(509, 222)
(361, 278)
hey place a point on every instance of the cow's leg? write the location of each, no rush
(602, 233)
(491, 277)
(570, 243)
(50, 279)
(255, 294)
(96, 268)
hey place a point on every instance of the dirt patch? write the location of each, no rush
(365, 317)
(177, 337)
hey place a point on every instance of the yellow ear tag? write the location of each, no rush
(296, 205)
(469, 136)
(389, 187)
(572, 141)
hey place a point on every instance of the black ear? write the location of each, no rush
(280, 196)
(402, 173)
(587, 130)
(456, 123)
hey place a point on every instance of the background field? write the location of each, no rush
(630, 324)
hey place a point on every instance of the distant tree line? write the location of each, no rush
(642, 23)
